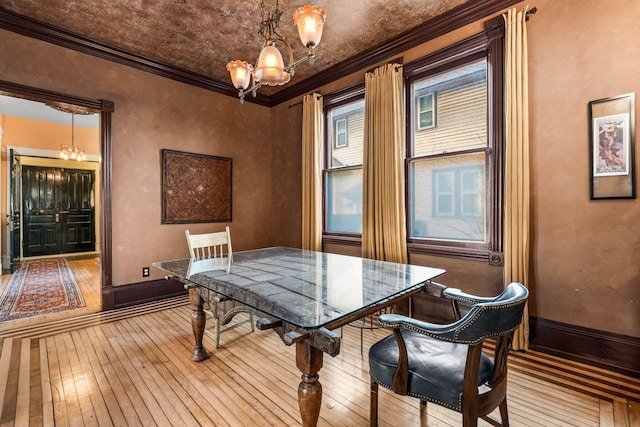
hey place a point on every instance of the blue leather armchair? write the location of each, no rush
(445, 364)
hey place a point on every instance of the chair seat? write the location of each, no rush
(436, 368)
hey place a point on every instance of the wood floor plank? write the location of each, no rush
(606, 414)
(35, 384)
(24, 380)
(45, 385)
(633, 407)
(621, 413)
(57, 391)
(5, 361)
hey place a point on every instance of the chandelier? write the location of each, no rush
(270, 69)
(73, 151)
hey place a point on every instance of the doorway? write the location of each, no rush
(61, 215)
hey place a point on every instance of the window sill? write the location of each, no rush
(471, 254)
(342, 239)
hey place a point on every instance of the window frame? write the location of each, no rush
(331, 101)
(487, 45)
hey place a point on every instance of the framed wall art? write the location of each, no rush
(611, 141)
(195, 188)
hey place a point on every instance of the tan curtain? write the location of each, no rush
(312, 172)
(516, 224)
(383, 218)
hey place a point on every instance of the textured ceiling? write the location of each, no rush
(201, 36)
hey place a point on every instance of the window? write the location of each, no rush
(343, 165)
(340, 126)
(452, 168)
(426, 110)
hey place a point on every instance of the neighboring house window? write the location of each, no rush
(426, 110)
(458, 192)
(453, 169)
(340, 126)
(344, 121)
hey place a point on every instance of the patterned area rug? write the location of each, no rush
(40, 287)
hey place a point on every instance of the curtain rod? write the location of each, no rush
(528, 12)
(300, 102)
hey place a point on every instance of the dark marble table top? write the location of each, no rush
(307, 289)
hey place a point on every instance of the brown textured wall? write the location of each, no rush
(585, 254)
(152, 113)
(286, 204)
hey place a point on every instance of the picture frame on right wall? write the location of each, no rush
(612, 147)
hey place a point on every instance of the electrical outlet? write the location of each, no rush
(145, 271)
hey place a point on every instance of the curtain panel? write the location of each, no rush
(312, 139)
(517, 209)
(383, 199)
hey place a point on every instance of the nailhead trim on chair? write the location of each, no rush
(455, 338)
(428, 399)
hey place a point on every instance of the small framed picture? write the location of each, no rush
(611, 154)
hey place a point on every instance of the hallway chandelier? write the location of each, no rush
(270, 69)
(73, 151)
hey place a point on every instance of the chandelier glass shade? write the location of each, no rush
(73, 151)
(270, 69)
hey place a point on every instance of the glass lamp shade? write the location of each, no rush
(270, 69)
(240, 73)
(310, 21)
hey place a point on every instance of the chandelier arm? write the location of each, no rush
(291, 67)
(253, 90)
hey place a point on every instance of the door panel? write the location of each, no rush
(13, 216)
(59, 211)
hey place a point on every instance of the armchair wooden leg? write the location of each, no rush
(469, 420)
(423, 413)
(251, 321)
(373, 407)
(504, 414)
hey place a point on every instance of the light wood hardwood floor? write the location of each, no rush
(132, 367)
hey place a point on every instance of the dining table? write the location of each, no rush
(304, 296)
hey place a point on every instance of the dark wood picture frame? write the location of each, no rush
(612, 147)
(195, 188)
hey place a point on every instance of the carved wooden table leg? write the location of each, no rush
(198, 319)
(309, 361)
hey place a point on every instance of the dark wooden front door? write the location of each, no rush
(59, 210)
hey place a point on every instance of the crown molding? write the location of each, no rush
(460, 16)
(26, 26)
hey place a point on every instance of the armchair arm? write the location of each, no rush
(444, 332)
(458, 295)
(398, 322)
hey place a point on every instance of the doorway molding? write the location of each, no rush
(105, 109)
